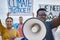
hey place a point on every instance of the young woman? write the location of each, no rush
(8, 33)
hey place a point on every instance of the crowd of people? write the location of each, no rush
(10, 34)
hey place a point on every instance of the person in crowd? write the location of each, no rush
(8, 33)
(41, 14)
(18, 26)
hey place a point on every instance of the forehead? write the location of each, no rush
(9, 19)
(42, 13)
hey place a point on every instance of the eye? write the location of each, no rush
(7, 21)
(10, 21)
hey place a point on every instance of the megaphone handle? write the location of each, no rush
(24, 38)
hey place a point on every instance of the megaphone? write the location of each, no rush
(34, 29)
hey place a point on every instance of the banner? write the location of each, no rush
(52, 10)
(20, 7)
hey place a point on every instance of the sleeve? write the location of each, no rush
(18, 35)
(50, 25)
(1, 27)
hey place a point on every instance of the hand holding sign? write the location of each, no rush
(8, 14)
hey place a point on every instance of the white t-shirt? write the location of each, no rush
(57, 34)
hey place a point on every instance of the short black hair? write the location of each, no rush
(41, 9)
(9, 18)
(20, 17)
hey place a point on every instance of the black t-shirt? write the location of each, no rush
(49, 34)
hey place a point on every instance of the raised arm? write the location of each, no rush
(1, 27)
(56, 21)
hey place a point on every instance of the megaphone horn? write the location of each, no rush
(34, 29)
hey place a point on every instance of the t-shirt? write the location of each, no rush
(49, 34)
(19, 28)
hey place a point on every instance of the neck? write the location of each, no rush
(9, 28)
(20, 23)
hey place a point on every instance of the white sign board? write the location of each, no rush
(52, 10)
(20, 7)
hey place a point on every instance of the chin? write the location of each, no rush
(9, 27)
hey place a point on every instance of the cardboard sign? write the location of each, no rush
(20, 7)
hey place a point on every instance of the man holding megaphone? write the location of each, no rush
(41, 14)
(38, 28)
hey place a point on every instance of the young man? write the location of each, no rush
(41, 14)
(18, 26)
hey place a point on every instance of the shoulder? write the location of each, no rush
(50, 24)
(14, 30)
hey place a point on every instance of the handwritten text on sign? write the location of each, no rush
(20, 6)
